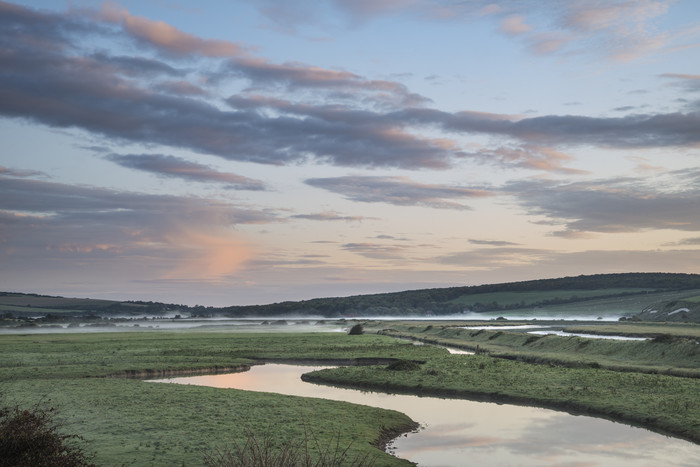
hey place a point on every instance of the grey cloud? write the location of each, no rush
(46, 76)
(685, 242)
(500, 243)
(518, 263)
(618, 205)
(296, 76)
(391, 237)
(170, 166)
(375, 250)
(332, 216)
(118, 234)
(397, 190)
(688, 82)
(527, 156)
(63, 90)
(650, 130)
(55, 213)
(43, 197)
(496, 257)
(9, 172)
(181, 88)
(135, 66)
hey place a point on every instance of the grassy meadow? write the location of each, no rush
(127, 421)
(132, 422)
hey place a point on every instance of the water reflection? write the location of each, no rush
(589, 336)
(460, 432)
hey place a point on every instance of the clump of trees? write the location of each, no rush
(31, 438)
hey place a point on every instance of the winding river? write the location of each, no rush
(456, 432)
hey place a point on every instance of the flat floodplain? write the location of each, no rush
(132, 422)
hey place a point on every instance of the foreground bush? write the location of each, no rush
(30, 437)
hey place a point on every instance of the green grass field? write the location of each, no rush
(131, 422)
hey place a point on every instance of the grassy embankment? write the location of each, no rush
(128, 421)
(622, 380)
(672, 348)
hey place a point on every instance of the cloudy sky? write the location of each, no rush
(222, 153)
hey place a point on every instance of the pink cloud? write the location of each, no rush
(514, 25)
(166, 37)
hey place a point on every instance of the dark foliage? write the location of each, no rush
(356, 330)
(403, 365)
(31, 438)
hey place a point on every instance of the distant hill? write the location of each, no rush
(491, 297)
(646, 288)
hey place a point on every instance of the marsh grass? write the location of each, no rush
(128, 421)
(265, 450)
(670, 353)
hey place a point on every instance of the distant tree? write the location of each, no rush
(356, 330)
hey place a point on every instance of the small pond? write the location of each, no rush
(458, 432)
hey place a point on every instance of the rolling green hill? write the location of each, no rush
(641, 289)
(627, 292)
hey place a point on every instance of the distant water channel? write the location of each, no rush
(459, 432)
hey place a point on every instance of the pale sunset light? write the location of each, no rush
(231, 153)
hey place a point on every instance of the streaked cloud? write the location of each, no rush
(331, 216)
(685, 242)
(496, 257)
(387, 130)
(175, 167)
(686, 81)
(500, 243)
(47, 221)
(71, 85)
(165, 37)
(376, 250)
(397, 190)
(615, 205)
(9, 172)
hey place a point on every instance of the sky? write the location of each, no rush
(230, 153)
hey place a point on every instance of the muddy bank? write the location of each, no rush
(149, 374)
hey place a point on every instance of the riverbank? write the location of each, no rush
(671, 349)
(127, 421)
(131, 422)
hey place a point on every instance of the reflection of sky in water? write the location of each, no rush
(505, 327)
(460, 432)
(589, 336)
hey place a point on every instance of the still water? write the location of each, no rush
(459, 432)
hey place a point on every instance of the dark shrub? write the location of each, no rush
(403, 365)
(31, 438)
(356, 330)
